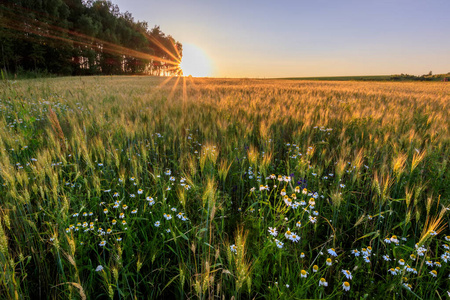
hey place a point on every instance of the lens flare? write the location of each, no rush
(195, 62)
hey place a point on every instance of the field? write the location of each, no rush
(345, 78)
(135, 188)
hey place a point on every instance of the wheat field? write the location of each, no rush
(190, 188)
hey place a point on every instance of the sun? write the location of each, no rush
(195, 62)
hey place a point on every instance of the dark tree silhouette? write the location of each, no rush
(75, 37)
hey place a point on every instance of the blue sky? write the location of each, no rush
(250, 38)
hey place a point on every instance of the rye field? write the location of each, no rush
(181, 188)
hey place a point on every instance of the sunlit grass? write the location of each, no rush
(134, 187)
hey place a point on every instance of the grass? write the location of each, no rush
(130, 187)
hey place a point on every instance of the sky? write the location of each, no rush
(263, 39)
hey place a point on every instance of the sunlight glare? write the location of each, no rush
(195, 62)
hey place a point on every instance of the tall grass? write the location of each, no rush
(131, 187)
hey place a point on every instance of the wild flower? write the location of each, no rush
(323, 282)
(315, 268)
(140, 191)
(102, 243)
(421, 251)
(347, 274)
(279, 243)
(303, 274)
(312, 219)
(386, 257)
(99, 268)
(302, 255)
(157, 223)
(346, 286)
(233, 248)
(273, 231)
(332, 252)
(355, 252)
(329, 262)
(401, 261)
(294, 237)
(288, 234)
(393, 271)
(394, 239)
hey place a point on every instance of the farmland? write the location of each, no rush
(144, 187)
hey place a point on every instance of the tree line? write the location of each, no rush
(76, 37)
